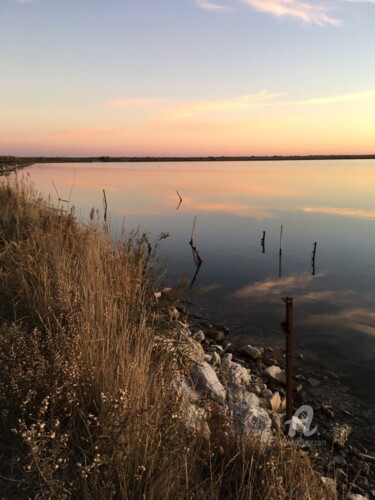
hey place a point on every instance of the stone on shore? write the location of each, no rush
(199, 336)
(253, 352)
(340, 434)
(314, 382)
(190, 348)
(205, 380)
(239, 374)
(239, 394)
(275, 402)
(216, 335)
(215, 359)
(275, 373)
(251, 419)
(195, 419)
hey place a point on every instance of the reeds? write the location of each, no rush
(87, 405)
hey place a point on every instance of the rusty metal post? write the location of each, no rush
(288, 329)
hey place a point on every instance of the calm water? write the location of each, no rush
(328, 202)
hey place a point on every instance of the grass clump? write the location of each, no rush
(88, 409)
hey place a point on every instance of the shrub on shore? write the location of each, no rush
(88, 409)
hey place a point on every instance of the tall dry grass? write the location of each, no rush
(88, 409)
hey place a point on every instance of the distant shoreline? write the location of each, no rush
(8, 163)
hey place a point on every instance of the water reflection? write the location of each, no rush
(178, 206)
(236, 202)
(275, 287)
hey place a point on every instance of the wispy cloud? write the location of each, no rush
(303, 11)
(187, 109)
(172, 110)
(84, 132)
(212, 6)
(139, 103)
(353, 96)
(359, 1)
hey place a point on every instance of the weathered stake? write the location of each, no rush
(313, 259)
(281, 240)
(105, 206)
(263, 242)
(280, 249)
(287, 327)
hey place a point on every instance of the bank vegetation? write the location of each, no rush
(88, 404)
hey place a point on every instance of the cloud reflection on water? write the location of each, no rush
(336, 309)
(275, 286)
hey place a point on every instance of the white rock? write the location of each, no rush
(195, 419)
(215, 347)
(256, 389)
(356, 496)
(199, 336)
(253, 352)
(249, 418)
(329, 483)
(275, 373)
(205, 379)
(216, 359)
(239, 374)
(228, 357)
(190, 348)
(185, 390)
(238, 394)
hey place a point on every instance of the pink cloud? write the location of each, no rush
(297, 9)
(83, 132)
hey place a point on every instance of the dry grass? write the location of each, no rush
(87, 408)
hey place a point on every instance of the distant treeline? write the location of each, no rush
(11, 161)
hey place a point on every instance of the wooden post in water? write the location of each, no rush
(263, 242)
(313, 259)
(280, 249)
(287, 327)
(105, 206)
(281, 241)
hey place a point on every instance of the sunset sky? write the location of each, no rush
(187, 77)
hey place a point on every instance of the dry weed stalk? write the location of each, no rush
(87, 407)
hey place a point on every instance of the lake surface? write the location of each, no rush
(331, 203)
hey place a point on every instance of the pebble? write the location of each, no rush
(314, 382)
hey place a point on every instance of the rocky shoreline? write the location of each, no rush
(247, 382)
